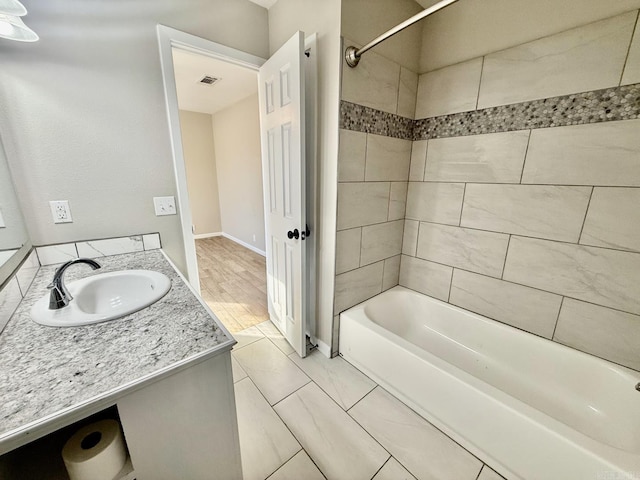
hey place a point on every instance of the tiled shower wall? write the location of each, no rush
(523, 202)
(373, 173)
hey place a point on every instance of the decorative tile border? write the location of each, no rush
(369, 120)
(608, 104)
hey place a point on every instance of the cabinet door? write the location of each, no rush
(184, 426)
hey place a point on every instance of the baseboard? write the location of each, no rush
(244, 244)
(323, 348)
(207, 235)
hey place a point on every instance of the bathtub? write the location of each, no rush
(528, 407)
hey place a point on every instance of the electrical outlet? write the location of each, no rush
(164, 205)
(2, 224)
(60, 211)
(254, 238)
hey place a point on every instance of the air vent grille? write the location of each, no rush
(208, 80)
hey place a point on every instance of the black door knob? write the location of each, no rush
(295, 234)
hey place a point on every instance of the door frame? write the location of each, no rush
(169, 38)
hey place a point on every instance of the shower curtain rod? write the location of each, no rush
(353, 54)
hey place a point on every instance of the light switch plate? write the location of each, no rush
(164, 205)
(2, 224)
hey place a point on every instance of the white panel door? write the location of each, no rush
(281, 96)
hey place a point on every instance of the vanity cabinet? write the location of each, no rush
(181, 426)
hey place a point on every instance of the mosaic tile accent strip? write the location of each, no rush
(369, 120)
(609, 104)
(605, 105)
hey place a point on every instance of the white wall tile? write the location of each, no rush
(151, 241)
(594, 154)
(543, 211)
(632, 68)
(362, 204)
(388, 158)
(342, 448)
(391, 275)
(421, 447)
(373, 84)
(488, 158)
(449, 90)
(381, 241)
(526, 308)
(425, 277)
(110, 246)
(418, 159)
(613, 219)
(600, 331)
(407, 93)
(397, 200)
(348, 250)
(473, 250)
(435, 202)
(599, 275)
(53, 254)
(410, 237)
(351, 156)
(357, 285)
(27, 272)
(578, 60)
(265, 441)
(10, 298)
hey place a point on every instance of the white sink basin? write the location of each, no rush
(103, 297)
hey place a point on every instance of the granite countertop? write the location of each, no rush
(48, 372)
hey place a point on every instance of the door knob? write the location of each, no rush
(295, 234)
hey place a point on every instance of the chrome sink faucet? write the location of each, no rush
(60, 296)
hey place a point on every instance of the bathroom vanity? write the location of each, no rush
(164, 371)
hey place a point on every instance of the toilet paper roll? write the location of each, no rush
(95, 452)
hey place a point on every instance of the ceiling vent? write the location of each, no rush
(208, 80)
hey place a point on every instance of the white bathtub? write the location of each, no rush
(529, 407)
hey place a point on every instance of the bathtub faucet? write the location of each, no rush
(60, 296)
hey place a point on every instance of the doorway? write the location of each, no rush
(288, 164)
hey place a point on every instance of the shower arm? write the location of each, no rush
(353, 54)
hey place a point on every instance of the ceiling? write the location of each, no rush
(236, 82)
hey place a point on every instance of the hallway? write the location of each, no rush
(233, 282)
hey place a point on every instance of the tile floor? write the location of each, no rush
(316, 418)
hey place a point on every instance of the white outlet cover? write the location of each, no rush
(60, 211)
(2, 224)
(164, 206)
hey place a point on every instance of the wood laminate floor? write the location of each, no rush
(233, 282)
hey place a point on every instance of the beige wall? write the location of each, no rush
(323, 18)
(469, 29)
(364, 20)
(202, 179)
(83, 112)
(236, 133)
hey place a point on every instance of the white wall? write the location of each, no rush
(469, 29)
(83, 113)
(202, 179)
(323, 18)
(236, 133)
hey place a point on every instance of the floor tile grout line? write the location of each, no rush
(285, 462)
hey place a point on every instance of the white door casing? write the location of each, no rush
(282, 113)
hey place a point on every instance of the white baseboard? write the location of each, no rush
(207, 235)
(323, 348)
(244, 244)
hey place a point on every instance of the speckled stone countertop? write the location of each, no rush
(48, 372)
